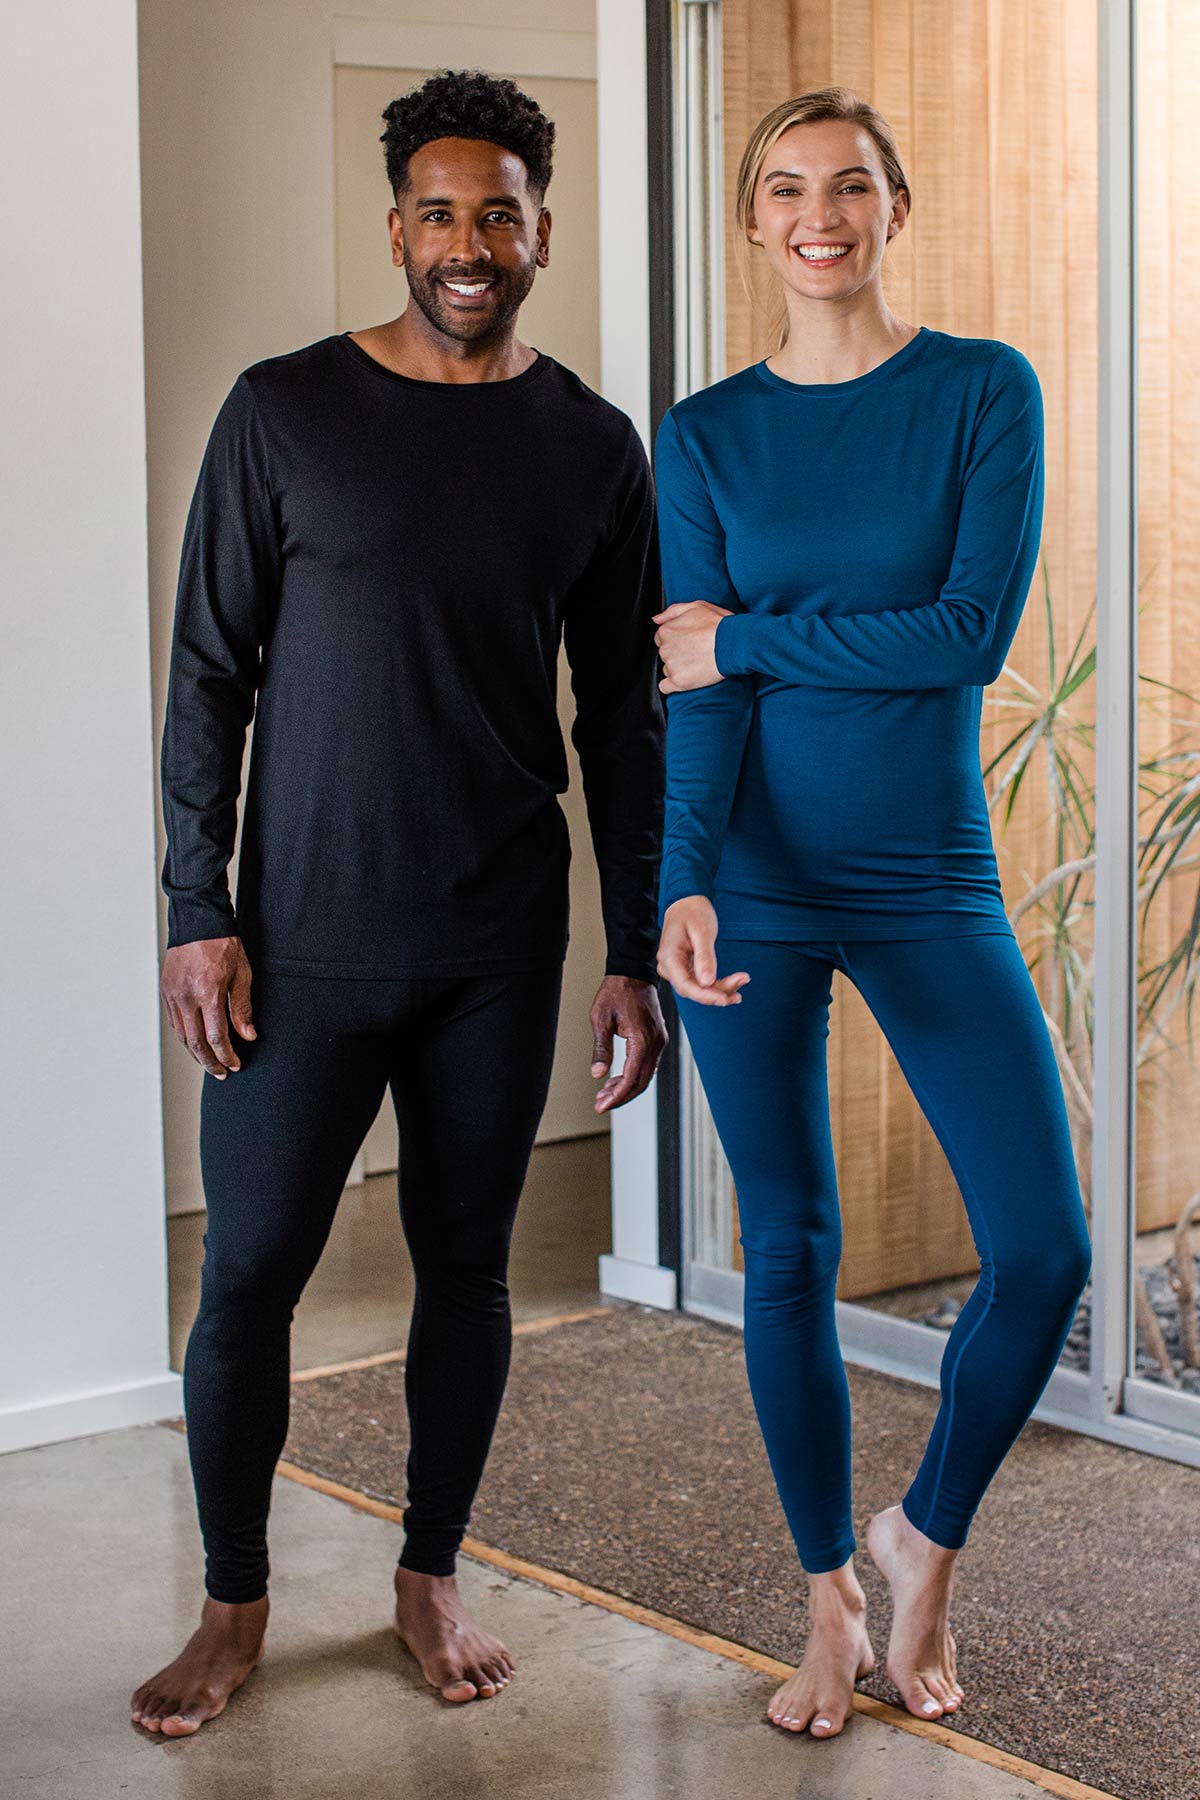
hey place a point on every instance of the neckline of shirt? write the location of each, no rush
(880, 371)
(364, 358)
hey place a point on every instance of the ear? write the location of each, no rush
(899, 214)
(752, 236)
(396, 233)
(544, 223)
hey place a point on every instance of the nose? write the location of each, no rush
(822, 221)
(466, 244)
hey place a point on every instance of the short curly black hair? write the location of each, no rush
(467, 103)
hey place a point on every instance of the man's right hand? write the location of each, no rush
(205, 987)
(687, 958)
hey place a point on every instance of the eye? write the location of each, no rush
(850, 187)
(504, 218)
(437, 212)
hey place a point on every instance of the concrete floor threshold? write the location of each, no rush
(609, 1701)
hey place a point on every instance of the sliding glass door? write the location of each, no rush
(1034, 140)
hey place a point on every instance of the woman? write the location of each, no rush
(849, 530)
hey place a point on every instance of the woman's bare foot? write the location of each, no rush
(921, 1652)
(455, 1654)
(215, 1660)
(838, 1652)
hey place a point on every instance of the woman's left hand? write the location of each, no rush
(686, 639)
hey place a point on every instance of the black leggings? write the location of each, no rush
(468, 1060)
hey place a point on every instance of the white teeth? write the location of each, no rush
(824, 255)
(467, 287)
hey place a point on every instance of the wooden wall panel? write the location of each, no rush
(1169, 571)
(994, 107)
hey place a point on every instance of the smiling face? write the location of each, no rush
(469, 235)
(822, 209)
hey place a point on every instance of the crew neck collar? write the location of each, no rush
(882, 371)
(365, 359)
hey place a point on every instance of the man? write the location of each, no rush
(390, 532)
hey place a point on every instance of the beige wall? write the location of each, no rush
(237, 102)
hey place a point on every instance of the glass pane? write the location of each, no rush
(1167, 1218)
(988, 251)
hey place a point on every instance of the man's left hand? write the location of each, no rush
(687, 640)
(629, 1009)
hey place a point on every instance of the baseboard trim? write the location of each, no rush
(82, 1415)
(649, 1284)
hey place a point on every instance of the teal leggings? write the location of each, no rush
(963, 1019)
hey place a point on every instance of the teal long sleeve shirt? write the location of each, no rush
(874, 541)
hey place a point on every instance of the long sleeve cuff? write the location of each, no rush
(631, 968)
(726, 645)
(191, 918)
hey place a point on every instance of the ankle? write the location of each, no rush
(836, 1593)
(916, 1544)
(416, 1581)
(242, 1619)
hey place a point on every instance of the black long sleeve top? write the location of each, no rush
(379, 571)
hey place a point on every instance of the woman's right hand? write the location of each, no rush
(687, 957)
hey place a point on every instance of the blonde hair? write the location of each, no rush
(806, 109)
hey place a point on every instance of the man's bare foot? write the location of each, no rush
(455, 1654)
(215, 1660)
(820, 1694)
(921, 1652)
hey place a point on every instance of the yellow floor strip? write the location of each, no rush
(525, 1328)
(1047, 1779)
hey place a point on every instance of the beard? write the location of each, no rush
(509, 288)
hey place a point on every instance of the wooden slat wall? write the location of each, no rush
(994, 107)
(1169, 482)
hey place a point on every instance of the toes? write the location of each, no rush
(151, 1710)
(827, 1724)
(788, 1713)
(147, 1704)
(458, 1689)
(183, 1724)
(942, 1690)
(922, 1702)
(777, 1707)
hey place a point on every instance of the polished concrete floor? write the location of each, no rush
(100, 1589)
(358, 1301)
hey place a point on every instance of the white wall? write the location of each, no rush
(237, 119)
(83, 1340)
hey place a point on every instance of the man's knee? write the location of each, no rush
(249, 1292)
